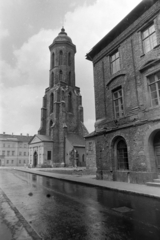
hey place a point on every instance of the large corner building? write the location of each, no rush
(127, 98)
(60, 139)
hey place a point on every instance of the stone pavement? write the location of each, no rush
(12, 224)
(91, 180)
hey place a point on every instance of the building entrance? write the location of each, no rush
(157, 149)
(35, 159)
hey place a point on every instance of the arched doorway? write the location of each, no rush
(35, 159)
(122, 155)
(119, 154)
(156, 144)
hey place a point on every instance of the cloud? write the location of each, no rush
(3, 32)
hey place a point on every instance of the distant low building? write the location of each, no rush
(14, 150)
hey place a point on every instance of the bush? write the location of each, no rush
(45, 165)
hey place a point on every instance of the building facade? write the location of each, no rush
(127, 97)
(14, 150)
(62, 111)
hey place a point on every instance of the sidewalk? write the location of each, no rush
(12, 224)
(92, 181)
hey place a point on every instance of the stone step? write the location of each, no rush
(153, 184)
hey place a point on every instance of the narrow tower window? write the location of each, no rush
(69, 79)
(70, 102)
(50, 126)
(51, 102)
(52, 80)
(69, 59)
(60, 57)
(60, 75)
(52, 61)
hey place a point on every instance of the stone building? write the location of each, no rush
(62, 130)
(126, 66)
(14, 150)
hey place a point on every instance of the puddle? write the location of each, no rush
(123, 209)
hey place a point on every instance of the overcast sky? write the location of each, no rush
(27, 28)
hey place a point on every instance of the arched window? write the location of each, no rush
(69, 79)
(60, 57)
(122, 155)
(156, 144)
(62, 95)
(51, 123)
(52, 80)
(52, 60)
(69, 59)
(70, 102)
(60, 75)
(51, 102)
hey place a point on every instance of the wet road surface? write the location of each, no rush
(60, 210)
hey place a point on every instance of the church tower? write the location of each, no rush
(62, 111)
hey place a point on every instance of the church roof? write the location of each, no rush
(62, 37)
(42, 138)
(76, 140)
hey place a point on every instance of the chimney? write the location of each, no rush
(12, 133)
(21, 134)
(4, 133)
(27, 134)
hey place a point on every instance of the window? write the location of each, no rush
(115, 62)
(12, 161)
(3, 144)
(49, 155)
(60, 58)
(70, 102)
(51, 102)
(122, 155)
(149, 38)
(52, 60)
(52, 80)
(69, 59)
(13, 153)
(118, 103)
(3, 153)
(24, 153)
(7, 161)
(69, 79)
(154, 88)
(8, 152)
(90, 146)
(24, 161)
(19, 153)
(60, 75)
(50, 126)
(19, 161)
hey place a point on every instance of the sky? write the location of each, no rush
(27, 28)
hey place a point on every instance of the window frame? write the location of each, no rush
(121, 113)
(157, 90)
(49, 155)
(113, 62)
(149, 37)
